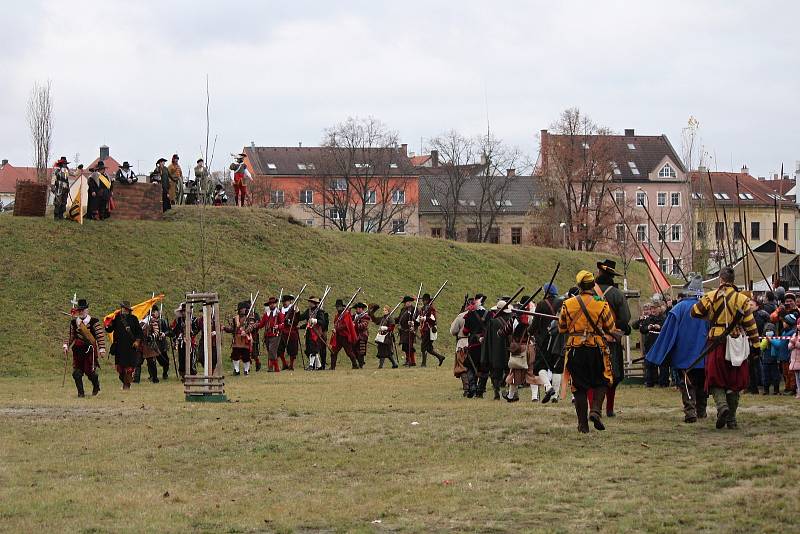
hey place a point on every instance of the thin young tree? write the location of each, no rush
(40, 123)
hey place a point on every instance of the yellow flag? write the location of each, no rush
(139, 310)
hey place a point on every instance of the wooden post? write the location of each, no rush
(218, 330)
(206, 339)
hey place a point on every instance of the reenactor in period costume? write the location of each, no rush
(125, 174)
(242, 341)
(461, 366)
(496, 343)
(608, 290)
(344, 336)
(87, 341)
(361, 321)
(315, 322)
(587, 320)
(289, 338)
(475, 328)
(160, 175)
(407, 331)
(203, 179)
(269, 322)
(178, 333)
(427, 330)
(128, 338)
(99, 192)
(549, 363)
(154, 346)
(60, 188)
(520, 365)
(255, 352)
(729, 315)
(384, 340)
(175, 180)
(241, 177)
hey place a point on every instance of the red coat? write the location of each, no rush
(271, 321)
(345, 331)
(362, 327)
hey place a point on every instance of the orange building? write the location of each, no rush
(359, 190)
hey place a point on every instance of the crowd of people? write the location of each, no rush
(196, 188)
(714, 344)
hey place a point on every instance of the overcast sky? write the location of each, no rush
(132, 74)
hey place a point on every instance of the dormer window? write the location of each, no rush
(271, 166)
(631, 146)
(667, 171)
(634, 169)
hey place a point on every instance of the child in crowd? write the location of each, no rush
(771, 375)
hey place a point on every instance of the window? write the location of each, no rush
(737, 231)
(336, 214)
(719, 231)
(271, 166)
(722, 196)
(746, 196)
(338, 184)
(697, 196)
(309, 222)
(675, 199)
(393, 165)
(494, 235)
(785, 231)
(667, 171)
(775, 197)
(676, 266)
(619, 197)
(516, 236)
(585, 145)
(676, 232)
(662, 232)
(641, 233)
(633, 168)
(631, 146)
(306, 196)
(640, 198)
(306, 166)
(276, 197)
(701, 230)
(663, 264)
(370, 197)
(398, 196)
(436, 232)
(398, 227)
(661, 198)
(435, 202)
(362, 165)
(755, 230)
(614, 166)
(620, 233)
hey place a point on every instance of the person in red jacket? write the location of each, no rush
(271, 325)
(344, 335)
(428, 333)
(288, 333)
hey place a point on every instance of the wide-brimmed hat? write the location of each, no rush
(360, 305)
(125, 304)
(82, 304)
(608, 266)
(339, 303)
(426, 296)
(408, 298)
(126, 165)
(502, 305)
(271, 300)
(100, 165)
(287, 298)
(243, 305)
(175, 156)
(62, 161)
(161, 160)
(313, 300)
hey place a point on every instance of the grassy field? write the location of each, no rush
(339, 452)
(45, 263)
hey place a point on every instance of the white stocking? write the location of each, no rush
(557, 384)
(512, 391)
(246, 367)
(235, 366)
(545, 379)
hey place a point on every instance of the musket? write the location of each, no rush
(552, 278)
(346, 308)
(316, 328)
(533, 313)
(293, 321)
(412, 329)
(385, 317)
(434, 296)
(508, 303)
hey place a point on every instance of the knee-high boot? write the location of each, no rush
(733, 404)
(95, 380)
(152, 370)
(334, 357)
(77, 375)
(424, 359)
(721, 401)
(610, 395)
(581, 410)
(598, 395)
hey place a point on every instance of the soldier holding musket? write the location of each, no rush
(87, 341)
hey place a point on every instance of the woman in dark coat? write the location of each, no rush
(127, 342)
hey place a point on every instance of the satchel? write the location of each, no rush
(433, 335)
(518, 361)
(380, 338)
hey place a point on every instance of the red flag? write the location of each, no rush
(346, 328)
(657, 279)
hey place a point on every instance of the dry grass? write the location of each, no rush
(337, 451)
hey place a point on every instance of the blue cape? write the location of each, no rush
(682, 337)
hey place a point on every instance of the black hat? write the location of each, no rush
(313, 300)
(125, 165)
(200, 160)
(125, 304)
(243, 305)
(480, 297)
(100, 165)
(62, 161)
(80, 166)
(82, 304)
(523, 299)
(339, 303)
(408, 298)
(287, 298)
(161, 160)
(175, 156)
(608, 266)
(360, 305)
(426, 296)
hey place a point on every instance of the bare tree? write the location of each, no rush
(360, 185)
(456, 160)
(40, 122)
(576, 167)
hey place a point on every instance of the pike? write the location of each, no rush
(521, 288)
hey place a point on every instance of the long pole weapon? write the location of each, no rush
(731, 248)
(411, 327)
(664, 242)
(293, 320)
(720, 242)
(775, 198)
(748, 282)
(552, 278)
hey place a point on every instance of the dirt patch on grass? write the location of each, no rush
(56, 412)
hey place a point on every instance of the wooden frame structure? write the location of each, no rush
(210, 386)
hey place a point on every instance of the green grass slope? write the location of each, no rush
(44, 263)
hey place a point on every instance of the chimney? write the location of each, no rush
(404, 149)
(511, 172)
(299, 144)
(629, 132)
(5, 162)
(745, 170)
(104, 152)
(702, 168)
(434, 158)
(252, 144)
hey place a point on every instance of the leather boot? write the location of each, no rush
(733, 405)
(152, 370)
(380, 362)
(424, 360)
(496, 393)
(597, 406)
(291, 363)
(77, 375)
(137, 374)
(721, 400)
(334, 357)
(95, 380)
(581, 410)
(394, 361)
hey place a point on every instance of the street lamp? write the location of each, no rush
(563, 226)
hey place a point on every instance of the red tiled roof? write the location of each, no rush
(420, 161)
(308, 161)
(111, 165)
(724, 184)
(10, 175)
(779, 186)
